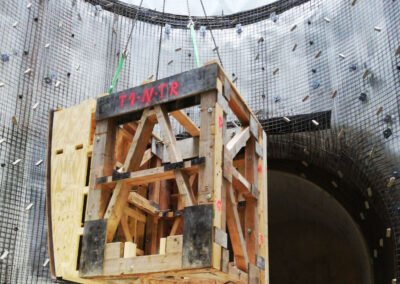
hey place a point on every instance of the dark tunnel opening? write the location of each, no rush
(315, 237)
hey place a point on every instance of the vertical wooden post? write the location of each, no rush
(263, 209)
(102, 163)
(250, 219)
(206, 146)
(219, 192)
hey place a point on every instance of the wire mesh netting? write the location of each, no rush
(333, 60)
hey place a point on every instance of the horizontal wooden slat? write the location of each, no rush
(151, 175)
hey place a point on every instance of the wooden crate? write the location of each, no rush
(159, 210)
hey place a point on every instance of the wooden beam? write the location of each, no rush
(132, 163)
(238, 141)
(186, 122)
(151, 235)
(262, 209)
(189, 149)
(143, 177)
(236, 102)
(142, 203)
(219, 192)
(206, 146)
(240, 183)
(251, 218)
(102, 165)
(125, 229)
(235, 229)
(175, 226)
(135, 214)
(174, 154)
(132, 126)
(143, 264)
(181, 87)
(148, 154)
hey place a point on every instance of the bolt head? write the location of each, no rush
(209, 110)
(249, 230)
(208, 196)
(131, 267)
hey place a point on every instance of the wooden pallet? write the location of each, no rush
(158, 210)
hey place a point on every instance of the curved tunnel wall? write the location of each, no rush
(289, 58)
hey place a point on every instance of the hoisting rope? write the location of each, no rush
(124, 53)
(193, 34)
(212, 36)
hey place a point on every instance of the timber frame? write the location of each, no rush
(157, 209)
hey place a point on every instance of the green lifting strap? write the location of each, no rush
(196, 53)
(116, 76)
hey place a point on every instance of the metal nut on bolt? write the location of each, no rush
(208, 196)
(249, 230)
(209, 110)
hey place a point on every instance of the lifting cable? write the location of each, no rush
(191, 27)
(125, 53)
(212, 36)
(159, 45)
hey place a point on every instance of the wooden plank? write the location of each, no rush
(151, 235)
(130, 249)
(135, 214)
(254, 127)
(142, 203)
(189, 149)
(152, 175)
(238, 141)
(125, 229)
(219, 193)
(177, 87)
(114, 250)
(235, 229)
(206, 146)
(254, 274)
(186, 122)
(240, 183)
(132, 163)
(174, 244)
(102, 164)
(139, 143)
(175, 225)
(163, 243)
(72, 130)
(236, 102)
(251, 218)
(263, 210)
(154, 188)
(174, 154)
(143, 264)
(148, 154)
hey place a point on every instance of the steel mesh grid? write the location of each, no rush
(93, 40)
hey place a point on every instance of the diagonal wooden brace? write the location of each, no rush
(134, 157)
(235, 229)
(175, 155)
